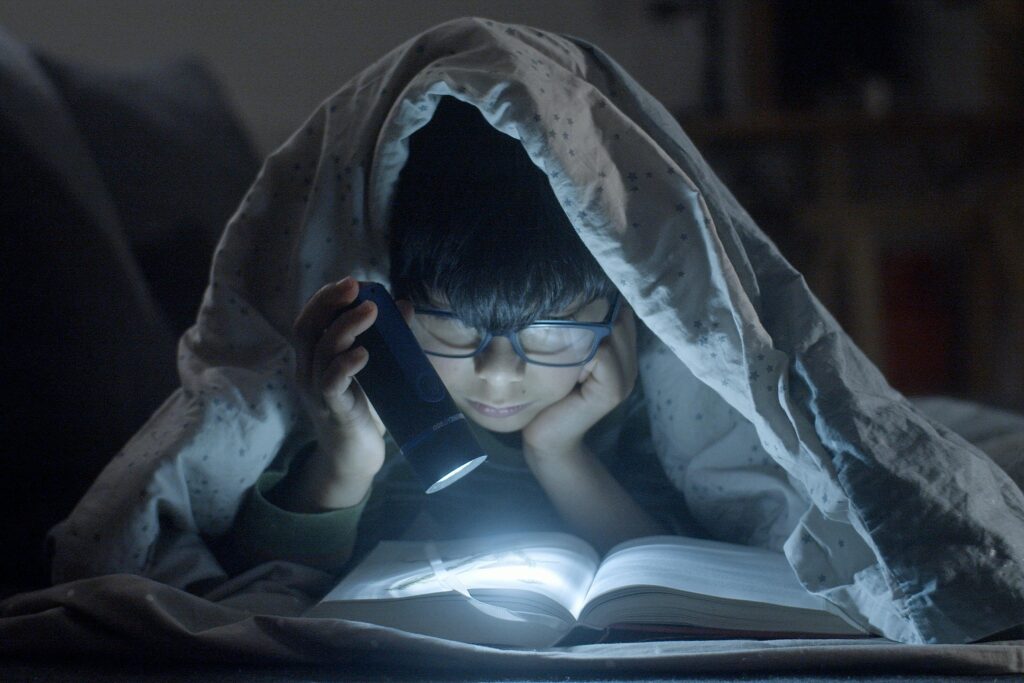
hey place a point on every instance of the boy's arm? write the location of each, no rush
(288, 515)
(592, 503)
(310, 513)
(264, 531)
(586, 495)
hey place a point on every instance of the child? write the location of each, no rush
(498, 252)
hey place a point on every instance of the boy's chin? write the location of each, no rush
(502, 429)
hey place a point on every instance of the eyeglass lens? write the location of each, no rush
(541, 343)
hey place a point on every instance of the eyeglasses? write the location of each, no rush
(553, 343)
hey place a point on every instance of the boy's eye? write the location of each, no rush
(449, 331)
(543, 340)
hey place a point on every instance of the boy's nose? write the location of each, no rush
(499, 363)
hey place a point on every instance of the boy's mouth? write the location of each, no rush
(497, 411)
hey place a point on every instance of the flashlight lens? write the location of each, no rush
(456, 474)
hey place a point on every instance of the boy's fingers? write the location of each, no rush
(341, 334)
(624, 334)
(623, 329)
(322, 307)
(315, 316)
(615, 362)
(338, 375)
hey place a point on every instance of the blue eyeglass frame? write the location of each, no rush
(600, 330)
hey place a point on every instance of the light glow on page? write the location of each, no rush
(508, 569)
(534, 569)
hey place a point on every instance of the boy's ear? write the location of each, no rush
(406, 308)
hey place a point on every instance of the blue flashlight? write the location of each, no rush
(410, 398)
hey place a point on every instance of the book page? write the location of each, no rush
(710, 568)
(555, 565)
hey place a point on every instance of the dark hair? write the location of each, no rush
(476, 222)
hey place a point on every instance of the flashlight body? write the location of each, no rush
(410, 398)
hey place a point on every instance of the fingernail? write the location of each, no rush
(344, 282)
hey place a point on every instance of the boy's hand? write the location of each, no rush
(349, 432)
(604, 383)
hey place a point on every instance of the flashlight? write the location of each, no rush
(412, 402)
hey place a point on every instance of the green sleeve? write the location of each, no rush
(263, 532)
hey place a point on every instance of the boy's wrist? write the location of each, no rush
(320, 483)
(343, 456)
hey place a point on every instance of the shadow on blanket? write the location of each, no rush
(115, 187)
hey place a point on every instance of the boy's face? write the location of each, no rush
(500, 391)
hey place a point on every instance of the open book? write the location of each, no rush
(533, 589)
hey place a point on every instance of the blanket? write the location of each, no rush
(129, 618)
(775, 425)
